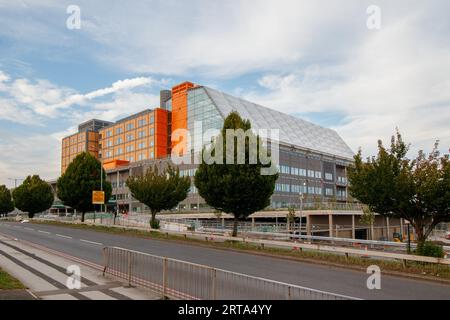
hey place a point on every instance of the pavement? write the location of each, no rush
(45, 275)
(87, 244)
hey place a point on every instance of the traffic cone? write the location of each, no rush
(366, 253)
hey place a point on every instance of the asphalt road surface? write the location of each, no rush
(87, 244)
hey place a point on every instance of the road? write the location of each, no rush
(87, 244)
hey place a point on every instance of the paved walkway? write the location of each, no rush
(45, 275)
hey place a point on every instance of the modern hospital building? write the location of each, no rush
(313, 160)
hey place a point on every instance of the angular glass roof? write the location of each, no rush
(293, 130)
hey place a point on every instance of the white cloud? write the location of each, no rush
(23, 97)
(38, 102)
(398, 76)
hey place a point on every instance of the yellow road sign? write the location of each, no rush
(98, 197)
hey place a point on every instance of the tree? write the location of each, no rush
(82, 176)
(394, 186)
(34, 195)
(238, 189)
(6, 203)
(159, 191)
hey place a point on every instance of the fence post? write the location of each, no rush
(105, 259)
(289, 293)
(164, 284)
(213, 284)
(129, 268)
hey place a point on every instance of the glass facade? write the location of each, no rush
(202, 109)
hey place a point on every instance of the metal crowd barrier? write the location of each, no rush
(178, 279)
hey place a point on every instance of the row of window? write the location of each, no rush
(309, 173)
(122, 184)
(301, 172)
(141, 156)
(130, 137)
(284, 187)
(130, 126)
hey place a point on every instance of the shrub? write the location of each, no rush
(154, 224)
(429, 249)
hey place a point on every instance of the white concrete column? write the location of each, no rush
(353, 227)
(401, 227)
(330, 224)
(308, 225)
(387, 228)
(253, 223)
(371, 231)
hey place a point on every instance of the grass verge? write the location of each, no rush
(8, 282)
(428, 271)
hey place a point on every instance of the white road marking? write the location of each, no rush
(29, 229)
(93, 242)
(46, 232)
(63, 236)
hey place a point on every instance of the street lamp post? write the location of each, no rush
(409, 237)
(15, 181)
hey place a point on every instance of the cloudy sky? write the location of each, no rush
(313, 59)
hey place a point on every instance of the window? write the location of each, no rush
(342, 180)
(318, 190)
(109, 143)
(282, 187)
(328, 191)
(152, 143)
(152, 155)
(130, 137)
(328, 176)
(119, 151)
(318, 175)
(311, 173)
(119, 141)
(108, 154)
(141, 122)
(152, 131)
(130, 148)
(152, 119)
(141, 134)
(141, 145)
(130, 126)
(141, 156)
(284, 169)
(108, 133)
(119, 130)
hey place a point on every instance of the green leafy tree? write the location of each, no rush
(6, 203)
(82, 176)
(34, 195)
(159, 190)
(238, 189)
(392, 185)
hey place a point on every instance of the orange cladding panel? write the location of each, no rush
(179, 110)
(161, 132)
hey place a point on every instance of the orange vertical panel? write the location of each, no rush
(179, 110)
